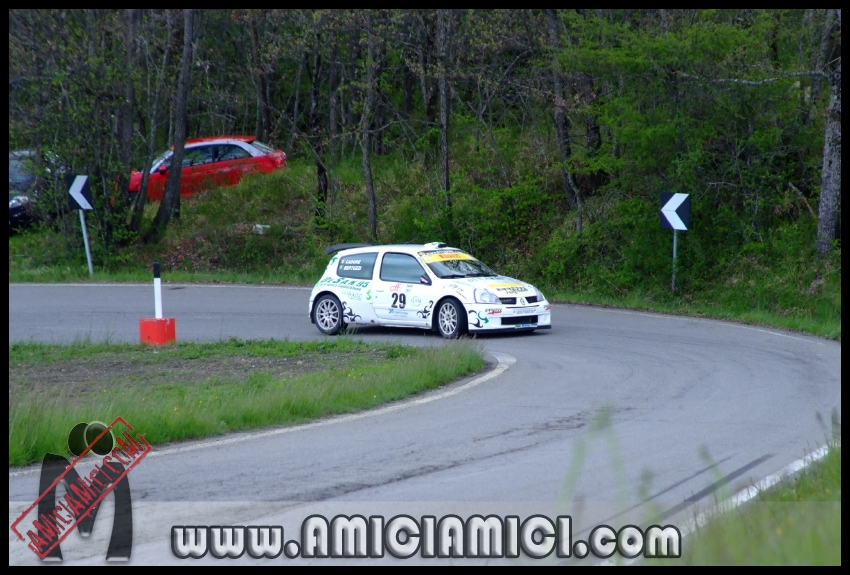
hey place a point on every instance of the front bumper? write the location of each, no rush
(488, 318)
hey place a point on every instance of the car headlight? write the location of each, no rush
(540, 296)
(485, 296)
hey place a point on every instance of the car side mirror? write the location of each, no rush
(162, 170)
(425, 280)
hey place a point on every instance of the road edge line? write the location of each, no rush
(740, 498)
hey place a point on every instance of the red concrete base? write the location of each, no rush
(158, 331)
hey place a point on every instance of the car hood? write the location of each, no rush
(501, 286)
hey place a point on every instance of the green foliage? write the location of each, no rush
(624, 251)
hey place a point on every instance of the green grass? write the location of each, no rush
(81, 274)
(186, 391)
(795, 523)
(824, 321)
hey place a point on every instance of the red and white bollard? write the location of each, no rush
(159, 330)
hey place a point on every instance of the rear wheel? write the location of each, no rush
(327, 314)
(451, 321)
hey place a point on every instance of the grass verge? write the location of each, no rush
(188, 391)
(796, 523)
(825, 323)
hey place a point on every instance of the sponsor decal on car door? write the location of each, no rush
(354, 288)
(400, 296)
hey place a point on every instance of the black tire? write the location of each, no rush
(450, 319)
(327, 315)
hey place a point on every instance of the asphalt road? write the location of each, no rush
(611, 417)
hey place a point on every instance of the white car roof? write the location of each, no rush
(217, 142)
(408, 248)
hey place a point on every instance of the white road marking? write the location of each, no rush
(743, 496)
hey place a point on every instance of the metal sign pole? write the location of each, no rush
(673, 285)
(86, 240)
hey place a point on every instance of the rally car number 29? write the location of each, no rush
(429, 286)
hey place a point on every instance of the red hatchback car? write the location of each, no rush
(211, 163)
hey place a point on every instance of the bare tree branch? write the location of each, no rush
(816, 73)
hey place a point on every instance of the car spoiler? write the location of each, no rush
(340, 247)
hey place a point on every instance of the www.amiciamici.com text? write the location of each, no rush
(404, 536)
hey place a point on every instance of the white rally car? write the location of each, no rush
(429, 286)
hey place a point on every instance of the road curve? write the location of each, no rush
(610, 417)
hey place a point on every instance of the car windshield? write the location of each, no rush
(460, 268)
(20, 176)
(263, 147)
(159, 160)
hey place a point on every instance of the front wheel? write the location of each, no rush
(327, 314)
(451, 321)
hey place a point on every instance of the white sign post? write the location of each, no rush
(157, 292)
(81, 201)
(158, 330)
(675, 215)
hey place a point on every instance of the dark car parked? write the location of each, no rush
(22, 183)
(29, 176)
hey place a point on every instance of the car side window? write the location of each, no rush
(357, 266)
(401, 268)
(230, 152)
(197, 156)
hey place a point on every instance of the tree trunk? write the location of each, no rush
(170, 204)
(316, 124)
(349, 114)
(141, 199)
(830, 191)
(125, 136)
(264, 119)
(333, 95)
(428, 89)
(408, 84)
(379, 119)
(561, 127)
(592, 131)
(368, 101)
(295, 111)
(118, 209)
(819, 63)
(443, 41)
